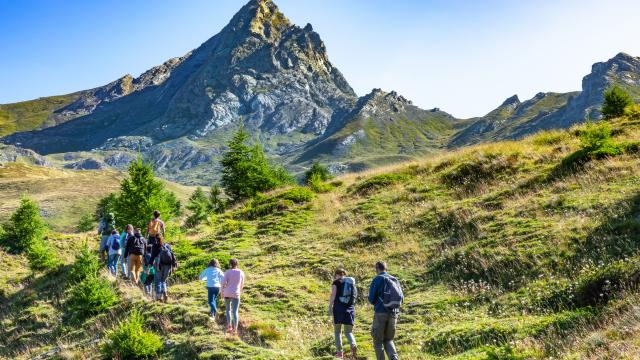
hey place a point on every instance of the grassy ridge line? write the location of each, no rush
(32, 114)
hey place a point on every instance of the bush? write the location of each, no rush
(317, 185)
(552, 137)
(317, 172)
(85, 265)
(632, 111)
(262, 205)
(129, 340)
(486, 167)
(91, 296)
(615, 102)
(42, 257)
(377, 182)
(24, 227)
(86, 223)
(265, 332)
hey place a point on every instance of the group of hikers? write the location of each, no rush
(148, 260)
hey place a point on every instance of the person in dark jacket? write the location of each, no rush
(383, 329)
(165, 263)
(344, 313)
(135, 251)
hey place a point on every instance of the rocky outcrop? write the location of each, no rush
(87, 164)
(10, 153)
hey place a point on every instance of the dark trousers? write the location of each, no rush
(383, 331)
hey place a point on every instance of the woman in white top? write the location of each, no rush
(214, 277)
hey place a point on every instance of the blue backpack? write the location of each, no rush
(392, 296)
(115, 245)
(349, 291)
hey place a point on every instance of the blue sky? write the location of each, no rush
(465, 57)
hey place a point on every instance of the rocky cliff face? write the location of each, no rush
(260, 70)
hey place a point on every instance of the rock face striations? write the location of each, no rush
(276, 79)
(260, 70)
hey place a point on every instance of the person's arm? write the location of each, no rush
(162, 227)
(225, 281)
(241, 281)
(332, 298)
(373, 291)
(203, 274)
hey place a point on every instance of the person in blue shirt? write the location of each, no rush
(214, 277)
(383, 329)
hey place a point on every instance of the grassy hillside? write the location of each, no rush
(513, 250)
(32, 114)
(64, 195)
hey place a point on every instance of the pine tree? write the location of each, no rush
(615, 102)
(198, 205)
(317, 172)
(141, 194)
(246, 171)
(217, 204)
(25, 227)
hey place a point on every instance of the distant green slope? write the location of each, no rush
(32, 114)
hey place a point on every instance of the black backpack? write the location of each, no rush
(166, 257)
(139, 246)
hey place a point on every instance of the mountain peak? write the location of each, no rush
(513, 100)
(262, 18)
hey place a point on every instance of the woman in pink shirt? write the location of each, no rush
(232, 286)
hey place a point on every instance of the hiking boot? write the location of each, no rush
(339, 355)
(354, 351)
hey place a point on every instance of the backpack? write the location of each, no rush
(166, 257)
(349, 291)
(115, 245)
(392, 296)
(138, 246)
(155, 226)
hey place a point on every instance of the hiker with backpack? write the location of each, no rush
(124, 240)
(342, 307)
(135, 251)
(165, 263)
(232, 286)
(214, 278)
(147, 277)
(114, 250)
(155, 228)
(105, 227)
(385, 294)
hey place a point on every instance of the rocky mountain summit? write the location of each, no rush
(276, 79)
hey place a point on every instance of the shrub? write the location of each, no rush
(129, 340)
(42, 257)
(596, 142)
(229, 226)
(317, 172)
(266, 332)
(615, 102)
(217, 203)
(377, 182)
(297, 194)
(91, 296)
(24, 227)
(486, 167)
(86, 223)
(317, 185)
(85, 265)
(552, 137)
(262, 205)
(632, 111)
